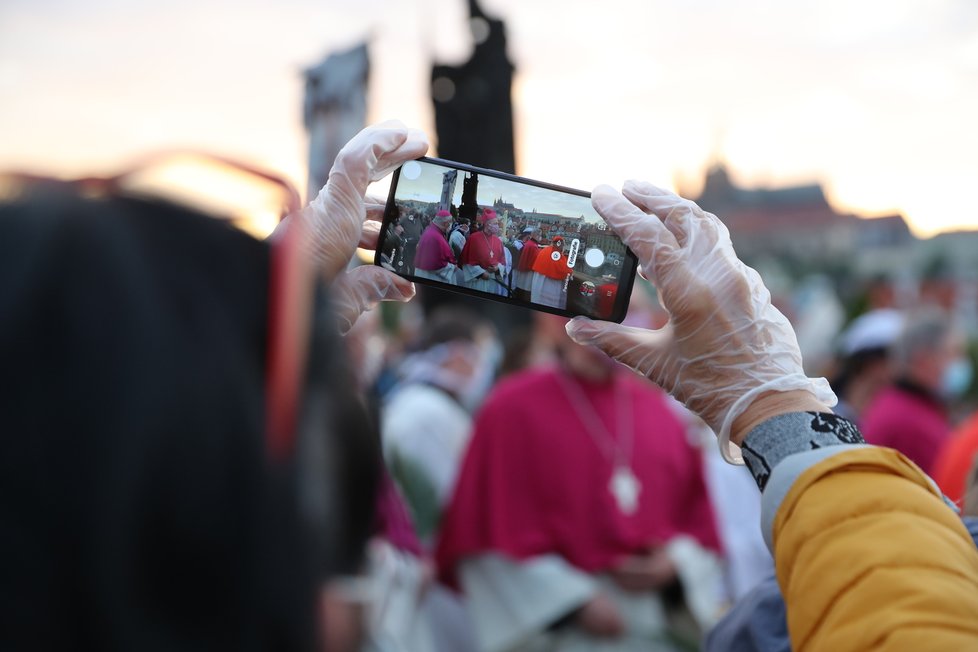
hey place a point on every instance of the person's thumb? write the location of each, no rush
(362, 288)
(641, 349)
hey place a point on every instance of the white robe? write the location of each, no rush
(548, 291)
(444, 275)
(428, 428)
(394, 582)
(457, 242)
(471, 278)
(504, 288)
(513, 604)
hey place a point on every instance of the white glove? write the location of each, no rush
(725, 344)
(335, 220)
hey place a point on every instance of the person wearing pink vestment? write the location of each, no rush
(911, 416)
(434, 259)
(578, 501)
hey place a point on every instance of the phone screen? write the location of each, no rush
(505, 238)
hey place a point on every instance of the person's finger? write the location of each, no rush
(640, 231)
(374, 153)
(646, 235)
(369, 235)
(674, 211)
(362, 288)
(339, 212)
(695, 230)
(375, 208)
(415, 145)
(641, 349)
(631, 564)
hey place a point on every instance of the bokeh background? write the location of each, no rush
(876, 99)
(809, 118)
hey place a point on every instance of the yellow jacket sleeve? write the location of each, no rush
(869, 557)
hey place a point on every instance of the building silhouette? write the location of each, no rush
(798, 222)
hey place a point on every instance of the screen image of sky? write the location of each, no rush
(428, 185)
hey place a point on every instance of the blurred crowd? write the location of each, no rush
(477, 436)
(213, 442)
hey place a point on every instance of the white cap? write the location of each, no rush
(873, 330)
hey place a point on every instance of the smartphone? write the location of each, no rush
(505, 238)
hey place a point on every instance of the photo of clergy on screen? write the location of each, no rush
(502, 237)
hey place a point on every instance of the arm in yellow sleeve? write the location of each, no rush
(868, 555)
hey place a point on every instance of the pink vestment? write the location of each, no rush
(433, 251)
(534, 480)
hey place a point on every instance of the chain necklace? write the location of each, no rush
(492, 254)
(623, 484)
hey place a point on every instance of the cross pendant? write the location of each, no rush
(625, 487)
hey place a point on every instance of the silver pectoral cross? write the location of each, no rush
(625, 487)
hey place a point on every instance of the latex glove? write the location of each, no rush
(338, 219)
(725, 345)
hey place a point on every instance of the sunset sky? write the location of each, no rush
(875, 99)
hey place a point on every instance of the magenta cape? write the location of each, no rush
(478, 247)
(534, 482)
(433, 251)
(911, 422)
(393, 520)
(527, 255)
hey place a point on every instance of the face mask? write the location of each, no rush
(474, 391)
(956, 379)
(470, 389)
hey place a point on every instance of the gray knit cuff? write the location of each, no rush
(796, 432)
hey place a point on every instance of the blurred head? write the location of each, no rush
(458, 352)
(143, 328)
(489, 221)
(930, 351)
(864, 364)
(443, 220)
(584, 361)
(558, 243)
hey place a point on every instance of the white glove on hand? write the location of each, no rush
(725, 344)
(335, 220)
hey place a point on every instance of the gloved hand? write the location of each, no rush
(335, 220)
(725, 344)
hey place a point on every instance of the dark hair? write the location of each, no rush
(450, 324)
(133, 342)
(856, 364)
